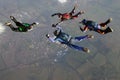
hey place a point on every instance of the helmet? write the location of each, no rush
(56, 32)
(84, 21)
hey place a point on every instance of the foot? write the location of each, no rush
(90, 36)
(11, 17)
(8, 23)
(86, 50)
(109, 20)
(82, 12)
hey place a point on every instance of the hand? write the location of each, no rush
(47, 35)
(53, 25)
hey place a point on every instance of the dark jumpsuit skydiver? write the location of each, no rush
(101, 28)
(21, 27)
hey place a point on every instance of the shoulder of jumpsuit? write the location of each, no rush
(52, 39)
(90, 22)
(59, 27)
(26, 24)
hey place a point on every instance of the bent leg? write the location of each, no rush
(79, 48)
(100, 31)
(13, 19)
(107, 30)
(13, 28)
(105, 23)
(19, 24)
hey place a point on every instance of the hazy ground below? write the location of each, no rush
(30, 56)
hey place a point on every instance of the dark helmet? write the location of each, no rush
(34, 23)
(56, 32)
(84, 21)
(53, 25)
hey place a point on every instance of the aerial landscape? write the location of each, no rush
(31, 56)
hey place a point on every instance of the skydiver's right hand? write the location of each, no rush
(47, 35)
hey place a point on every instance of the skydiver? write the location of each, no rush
(101, 28)
(21, 27)
(68, 15)
(63, 38)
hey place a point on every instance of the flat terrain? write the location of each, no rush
(30, 56)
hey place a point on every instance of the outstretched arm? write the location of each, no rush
(59, 14)
(13, 19)
(50, 38)
(12, 27)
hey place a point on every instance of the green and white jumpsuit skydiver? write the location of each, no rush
(21, 27)
(63, 38)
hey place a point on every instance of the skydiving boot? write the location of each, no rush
(13, 19)
(90, 36)
(108, 21)
(86, 50)
(8, 23)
